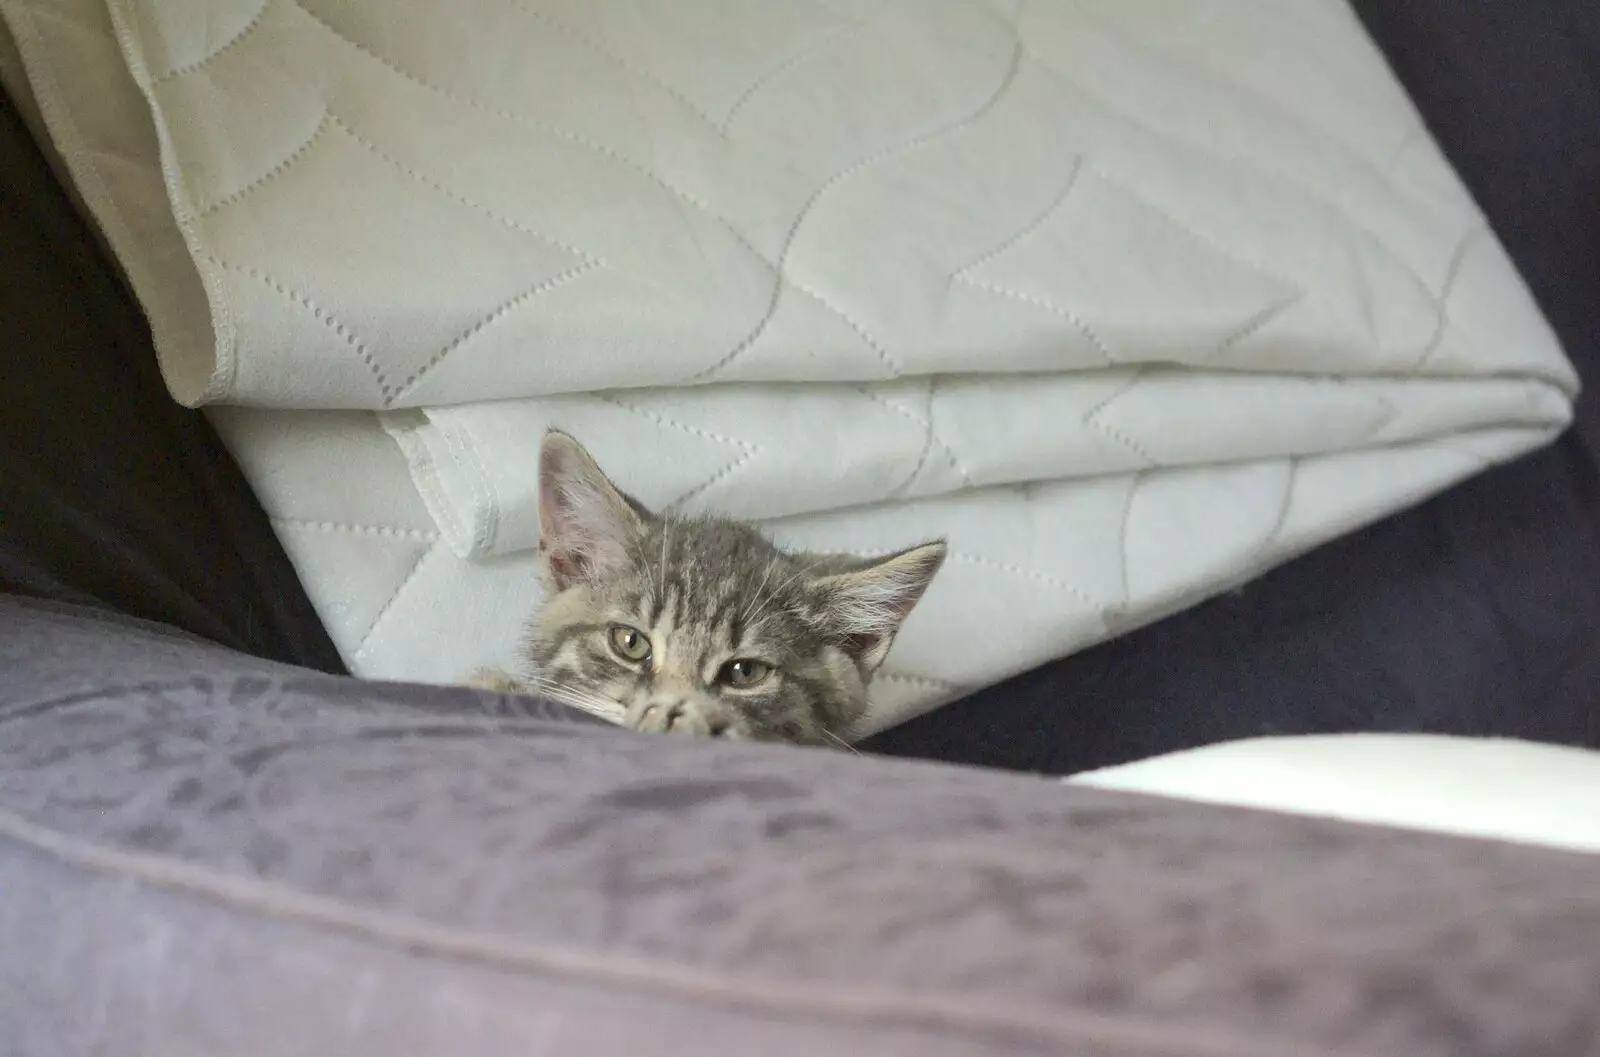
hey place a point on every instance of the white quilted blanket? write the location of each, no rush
(1132, 299)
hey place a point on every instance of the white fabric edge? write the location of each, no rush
(184, 357)
(468, 537)
(1489, 788)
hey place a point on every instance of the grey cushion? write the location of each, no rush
(204, 854)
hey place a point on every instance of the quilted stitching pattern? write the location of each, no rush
(1130, 300)
(788, 231)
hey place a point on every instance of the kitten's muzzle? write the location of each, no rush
(678, 716)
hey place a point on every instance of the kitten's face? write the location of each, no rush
(702, 626)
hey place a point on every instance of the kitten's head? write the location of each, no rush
(701, 626)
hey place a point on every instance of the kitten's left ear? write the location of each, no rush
(587, 526)
(867, 604)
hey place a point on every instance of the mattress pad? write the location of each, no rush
(1130, 300)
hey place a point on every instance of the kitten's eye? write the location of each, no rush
(745, 673)
(630, 644)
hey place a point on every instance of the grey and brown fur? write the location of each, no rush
(716, 603)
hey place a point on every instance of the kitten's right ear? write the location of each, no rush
(868, 603)
(586, 525)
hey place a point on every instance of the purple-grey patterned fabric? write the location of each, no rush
(205, 854)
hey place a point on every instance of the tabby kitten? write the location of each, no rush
(700, 625)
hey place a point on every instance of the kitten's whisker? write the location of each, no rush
(598, 710)
(583, 704)
(776, 591)
(755, 596)
(543, 687)
(649, 579)
(583, 700)
(845, 745)
(572, 694)
(763, 601)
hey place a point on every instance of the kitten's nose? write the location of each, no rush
(701, 720)
(657, 714)
(680, 716)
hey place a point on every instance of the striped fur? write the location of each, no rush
(706, 593)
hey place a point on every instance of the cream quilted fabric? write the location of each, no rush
(1131, 299)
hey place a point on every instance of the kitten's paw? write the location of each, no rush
(497, 681)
